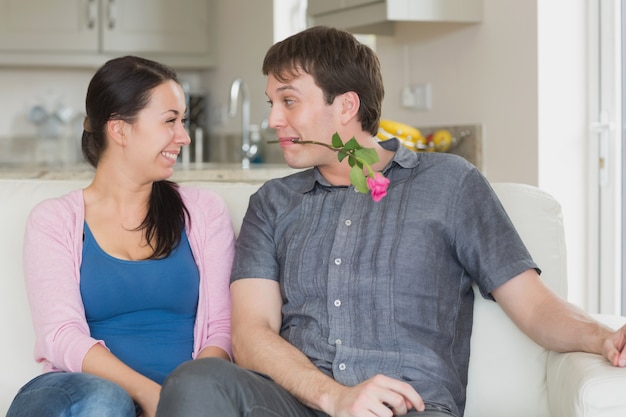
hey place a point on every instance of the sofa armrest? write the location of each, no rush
(584, 384)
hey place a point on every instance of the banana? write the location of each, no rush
(409, 136)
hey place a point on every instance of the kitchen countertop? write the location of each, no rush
(227, 172)
(468, 144)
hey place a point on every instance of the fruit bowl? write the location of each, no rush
(438, 140)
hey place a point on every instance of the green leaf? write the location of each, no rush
(367, 155)
(352, 144)
(355, 162)
(358, 180)
(337, 142)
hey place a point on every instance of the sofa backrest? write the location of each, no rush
(507, 370)
(17, 198)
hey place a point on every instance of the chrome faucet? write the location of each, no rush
(248, 149)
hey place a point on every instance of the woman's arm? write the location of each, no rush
(213, 352)
(52, 245)
(212, 241)
(144, 391)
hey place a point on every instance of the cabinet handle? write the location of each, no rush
(112, 14)
(91, 14)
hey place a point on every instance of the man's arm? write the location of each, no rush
(257, 345)
(556, 324)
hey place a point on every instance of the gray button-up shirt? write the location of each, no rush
(384, 287)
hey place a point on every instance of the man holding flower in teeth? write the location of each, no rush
(338, 300)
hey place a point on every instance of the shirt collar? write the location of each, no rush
(403, 157)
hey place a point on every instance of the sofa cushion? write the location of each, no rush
(507, 369)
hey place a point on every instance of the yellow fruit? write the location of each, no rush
(442, 140)
(409, 136)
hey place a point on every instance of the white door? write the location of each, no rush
(607, 211)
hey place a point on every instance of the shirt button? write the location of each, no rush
(337, 261)
(338, 342)
(348, 222)
(342, 366)
(337, 303)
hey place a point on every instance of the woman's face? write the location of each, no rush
(158, 134)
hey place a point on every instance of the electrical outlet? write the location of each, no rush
(408, 98)
(422, 96)
(416, 97)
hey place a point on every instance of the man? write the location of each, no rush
(344, 306)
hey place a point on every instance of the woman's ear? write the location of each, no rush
(116, 130)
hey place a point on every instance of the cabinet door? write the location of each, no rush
(156, 26)
(325, 6)
(48, 25)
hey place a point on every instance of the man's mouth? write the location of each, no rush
(293, 140)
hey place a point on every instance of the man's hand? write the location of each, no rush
(614, 348)
(378, 396)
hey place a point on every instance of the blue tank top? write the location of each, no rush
(144, 311)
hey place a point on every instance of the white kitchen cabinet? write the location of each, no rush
(88, 32)
(316, 7)
(373, 16)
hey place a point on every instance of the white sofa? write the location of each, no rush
(510, 376)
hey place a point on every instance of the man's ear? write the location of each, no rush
(116, 130)
(350, 105)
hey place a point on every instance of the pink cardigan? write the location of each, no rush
(52, 257)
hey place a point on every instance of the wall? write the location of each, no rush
(564, 137)
(22, 88)
(485, 73)
(512, 73)
(525, 82)
(241, 47)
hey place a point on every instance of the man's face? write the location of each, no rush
(300, 113)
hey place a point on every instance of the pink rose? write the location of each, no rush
(378, 186)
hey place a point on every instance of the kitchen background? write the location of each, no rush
(513, 74)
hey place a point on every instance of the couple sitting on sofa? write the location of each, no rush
(133, 276)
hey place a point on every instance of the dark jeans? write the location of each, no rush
(215, 387)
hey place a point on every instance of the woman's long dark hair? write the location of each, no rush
(119, 90)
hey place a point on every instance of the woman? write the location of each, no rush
(127, 278)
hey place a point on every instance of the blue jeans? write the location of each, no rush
(64, 394)
(215, 387)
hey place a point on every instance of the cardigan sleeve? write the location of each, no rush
(212, 241)
(52, 250)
